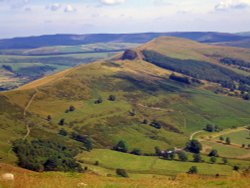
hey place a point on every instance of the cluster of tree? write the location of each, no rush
(110, 98)
(46, 155)
(197, 69)
(238, 62)
(121, 146)
(182, 79)
(8, 68)
(212, 128)
(227, 140)
(86, 140)
(193, 146)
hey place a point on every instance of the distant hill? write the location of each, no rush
(244, 34)
(245, 43)
(61, 39)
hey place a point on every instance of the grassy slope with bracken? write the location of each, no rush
(137, 84)
(25, 178)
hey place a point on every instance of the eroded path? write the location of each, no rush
(25, 111)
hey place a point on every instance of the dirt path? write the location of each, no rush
(155, 108)
(192, 135)
(24, 113)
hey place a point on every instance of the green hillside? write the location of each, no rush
(137, 101)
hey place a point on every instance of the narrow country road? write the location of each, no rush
(192, 135)
(24, 113)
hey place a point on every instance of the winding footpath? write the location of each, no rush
(192, 135)
(24, 113)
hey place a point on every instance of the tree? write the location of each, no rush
(213, 159)
(228, 141)
(121, 146)
(221, 138)
(136, 151)
(182, 156)
(194, 146)
(197, 157)
(112, 98)
(157, 151)
(71, 108)
(193, 170)
(61, 122)
(209, 128)
(63, 132)
(236, 168)
(122, 173)
(213, 153)
(88, 144)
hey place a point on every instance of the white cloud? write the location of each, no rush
(232, 4)
(112, 2)
(69, 8)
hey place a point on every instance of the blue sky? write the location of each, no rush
(37, 17)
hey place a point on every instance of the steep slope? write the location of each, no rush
(142, 90)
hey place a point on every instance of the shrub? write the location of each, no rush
(213, 159)
(97, 163)
(71, 108)
(61, 122)
(121, 146)
(194, 146)
(63, 132)
(197, 157)
(193, 170)
(145, 122)
(99, 101)
(136, 151)
(221, 138)
(213, 153)
(228, 141)
(112, 98)
(155, 124)
(236, 168)
(182, 156)
(122, 173)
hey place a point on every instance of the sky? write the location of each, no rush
(38, 17)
